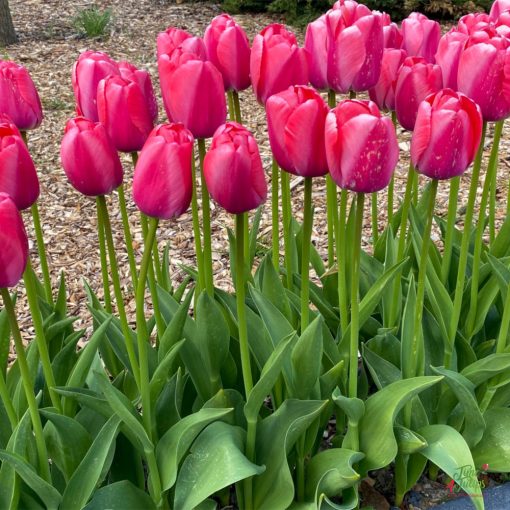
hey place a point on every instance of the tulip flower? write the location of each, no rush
(361, 146)
(122, 108)
(484, 76)
(90, 68)
(276, 62)
(162, 182)
(475, 22)
(498, 8)
(19, 99)
(89, 158)
(143, 78)
(13, 243)
(228, 49)
(416, 80)
(173, 38)
(448, 54)
(18, 177)
(446, 134)
(383, 93)
(420, 36)
(391, 33)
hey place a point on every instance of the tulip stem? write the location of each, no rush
(206, 220)
(231, 108)
(305, 253)
(196, 231)
(275, 216)
(28, 386)
(492, 207)
(237, 107)
(341, 250)
(480, 227)
(415, 189)
(505, 323)
(391, 187)
(246, 240)
(41, 249)
(126, 331)
(127, 235)
(104, 263)
(331, 201)
(375, 227)
(7, 402)
(450, 228)
(418, 348)
(287, 227)
(464, 249)
(40, 336)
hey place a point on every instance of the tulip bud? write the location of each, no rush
(122, 108)
(90, 68)
(228, 49)
(415, 81)
(143, 78)
(295, 120)
(420, 36)
(448, 56)
(392, 36)
(474, 22)
(89, 158)
(484, 76)
(498, 8)
(233, 169)
(18, 177)
(446, 135)
(276, 62)
(162, 183)
(13, 243)
(19, 99)
(383, 93)
(361, 146)
(173, 38)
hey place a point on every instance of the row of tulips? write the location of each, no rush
(182, 401)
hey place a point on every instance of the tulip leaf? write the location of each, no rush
(500, 247)
(484, 369)
(121, 495)
(382, 371)
(272, 287)
(447, 449)
(172, 447)
(409, 442)
(5, 341)
(215, 461)
(502, 274)
(163, 372)
(254, 232)
(377, 439)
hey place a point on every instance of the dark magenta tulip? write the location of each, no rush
(162, 183)
(420, 36)
(89, 158)
(391, 32)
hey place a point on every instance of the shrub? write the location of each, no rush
(92, 21)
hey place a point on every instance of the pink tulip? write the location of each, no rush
(295, 119)
(421, 36)
(276, 62)
(89, 158)
(474, 22)
(18, 96)
(122, 108)
(173, 38)
(415, 81)
(484, 76)
(233, 169)
(193, 92)
(361, 146)
(228, 49)
(143, 78)
(90, 68)
(498, 8)
(392, 36)
(345, 48)
(383, 93)
(446, 135)
(13, 243)
(503, 24)
(162, 183)
(448, 54)
(18, 177)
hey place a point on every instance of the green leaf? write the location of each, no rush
(121, 495)
(447, 449)
(272, 287)
(48, 494)
(93, 467)
(484, 369)
(377, 439)
(408, 441)
(408, 359)
(163, 372)
(5, 341)
(254, 230)
(172, 447)
(382, 371)
(215, 461)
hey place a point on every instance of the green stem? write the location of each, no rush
(450, 228)
(477, 253)
(104, 263)
(418, 348)
(287, 229)
(341, 250)
(206, 223)
(505, 322)
(246, 241)
(375, 228)
(126, 331)
(155, 481)
(331, 201)
(352, 94)
(42, 252)
(275, 215)
(391, 187)
(196, 231)
(40, 336)
(231, 109)
(305, 253)
(7, 402)
(463, 257)
(237, 106)
(415, 190)
(28, 386)
(492, 206)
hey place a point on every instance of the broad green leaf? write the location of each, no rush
(162, 372)
(447, 449)
(501, 245)
(502, 274)
(354, 409)
(330, 379)
(273, 289)
(172, 447)
(486, 368)
(254, 230)
(121, 495)
(377, 439)
(215, 461)
(408, 358)
(92, 468)
(382, 371)
(48, 494)
(408, 441)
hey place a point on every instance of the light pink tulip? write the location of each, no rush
(448, 55)
(498, 8)
(421, 36)
(173, 38)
